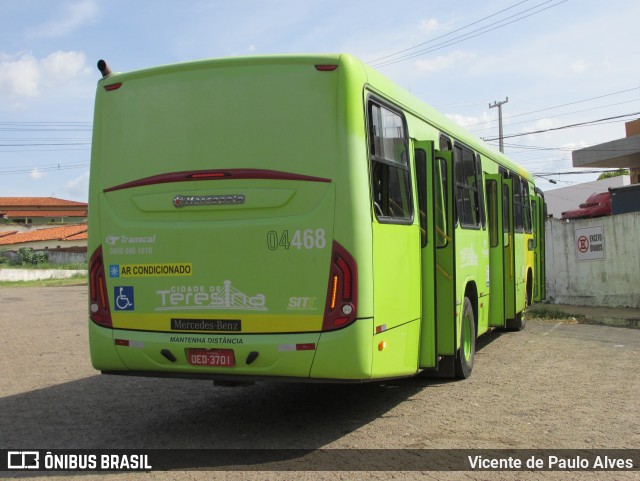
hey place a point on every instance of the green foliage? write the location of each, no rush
(613, 173)
(27, 255)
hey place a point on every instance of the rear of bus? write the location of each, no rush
(223, 239)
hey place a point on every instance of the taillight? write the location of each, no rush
(111, 87)
(98, 299)
(342, 295)
(326, 68)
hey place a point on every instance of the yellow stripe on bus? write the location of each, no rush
(250, 323)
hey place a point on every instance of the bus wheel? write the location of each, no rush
(467, 351)
(518, 323)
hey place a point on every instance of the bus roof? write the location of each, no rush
(375, 79)
(421, 109)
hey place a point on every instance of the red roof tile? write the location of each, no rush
(54, 233)
(81, 236)
(45, 213)
(13, 202)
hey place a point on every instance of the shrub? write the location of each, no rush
(28, 256)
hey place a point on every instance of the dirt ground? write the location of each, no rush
(555, 385)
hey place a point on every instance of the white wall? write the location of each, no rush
(37, 274)
(610, 282)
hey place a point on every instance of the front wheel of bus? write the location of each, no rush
(467, 351)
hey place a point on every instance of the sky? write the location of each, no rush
(559, 62)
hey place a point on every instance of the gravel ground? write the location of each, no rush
(555, 385)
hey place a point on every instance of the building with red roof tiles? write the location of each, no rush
(51, 238)
(42, 210)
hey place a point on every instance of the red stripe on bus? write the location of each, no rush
(188, 176)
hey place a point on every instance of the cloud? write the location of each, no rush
(430, 25)
(24, 76)
(61, 66)
(73, 16)
(467, 120)
(78, 187)
(577, 67)
(443, 62)
(19, 76)
(36, 174)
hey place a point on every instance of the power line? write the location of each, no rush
(546, 174)
(467, 36)
(559, 115)
(71, 165)
(558, 106)
(581, 124)
(447, 34)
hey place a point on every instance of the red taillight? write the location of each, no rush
(111, 87)
(98, 298)
(209, 175)
(340, 309)
(326, 68)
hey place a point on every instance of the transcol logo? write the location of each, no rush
(113, 240)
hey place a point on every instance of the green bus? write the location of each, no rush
(298, 218)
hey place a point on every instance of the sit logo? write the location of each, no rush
(302, 304)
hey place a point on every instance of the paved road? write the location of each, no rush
(553, 385)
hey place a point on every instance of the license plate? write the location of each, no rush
(211, 357)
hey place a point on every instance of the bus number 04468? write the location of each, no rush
(302, 239)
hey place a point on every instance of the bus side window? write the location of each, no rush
(466, 187)
(527, 206)
(506, 218)
(441, 202)
(480, 184)
(421, 179)
(518, 211)
(390, 182)
(492, 208)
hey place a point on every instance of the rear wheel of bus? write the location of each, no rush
(467, 351)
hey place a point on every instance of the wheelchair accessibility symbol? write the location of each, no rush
(123, 296)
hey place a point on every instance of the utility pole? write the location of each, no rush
(499, 105)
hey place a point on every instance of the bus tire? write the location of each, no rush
(518, 323)
(467, 351)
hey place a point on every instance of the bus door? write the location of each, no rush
(396, 246)
(437, 331)
(493, 188)
(445, 256)
(539, 218)
(424, 154)
(509, 267)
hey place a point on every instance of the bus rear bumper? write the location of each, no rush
(337, 356)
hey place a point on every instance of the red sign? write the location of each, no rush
(583, 244)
